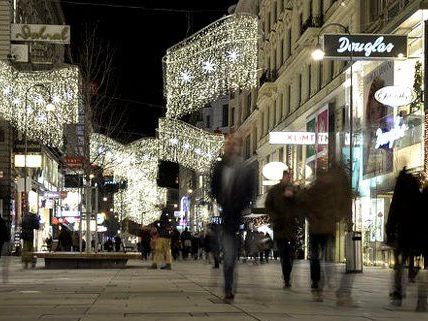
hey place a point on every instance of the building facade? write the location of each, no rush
(298, 94)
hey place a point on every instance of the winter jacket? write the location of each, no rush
(406, 224)
(4, 231)
(285, 213)
(237, 195)
(328, 201)
(30, 223)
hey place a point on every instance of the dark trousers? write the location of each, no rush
(286, 254)
(230, 252)
(318, 246)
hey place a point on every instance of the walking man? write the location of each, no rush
(283, 210)
(30, 222)
(233, 186)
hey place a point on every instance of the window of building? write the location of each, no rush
(300, 24)
(208, 121)
(288, 99)
(289, 42)
(284, 49)
(273, 60)
(263, 124)
(331, 70)
(320, 72)
(299, 89)
(281, 154)
(2, 135)
(225, 119)
(268, 24)
(274, 113)
(280, 102)
(254, 140)
(248, 106)
(280, 58)
(309, 80)
(275, 12)
(248, 147)
(232, 117)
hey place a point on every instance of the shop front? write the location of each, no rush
(388, 118)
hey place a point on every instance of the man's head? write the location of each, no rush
(286, 177)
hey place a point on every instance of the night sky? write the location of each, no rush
(141, 37)
(141, 31)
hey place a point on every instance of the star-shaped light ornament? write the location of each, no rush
(186, 77)
(208, 66)
(232, 55)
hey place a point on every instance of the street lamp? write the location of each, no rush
(318, 54)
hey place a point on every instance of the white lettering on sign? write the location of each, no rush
(297, 138)
(368, 48)
(388, 138)
(395, 96)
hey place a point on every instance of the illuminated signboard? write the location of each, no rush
(297, 138)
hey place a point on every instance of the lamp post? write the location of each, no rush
(318, 54)
(354, 258)
(49, 107)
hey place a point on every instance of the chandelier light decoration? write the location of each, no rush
(26, 95)
(187, 145)
(220, 58)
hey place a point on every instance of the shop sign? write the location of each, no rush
(56, 195)
(75, 162)
(297, 138)
(59, 34)
(365, 46)
(395, 96)
(387, 139)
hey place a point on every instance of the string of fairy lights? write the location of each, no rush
(220, 58)
(25, 96)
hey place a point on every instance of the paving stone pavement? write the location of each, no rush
(191, 291)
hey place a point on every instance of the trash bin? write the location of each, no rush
(354, 255)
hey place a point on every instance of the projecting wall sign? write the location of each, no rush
(297, 138)
(387, 139)
(59, 34)
(365, 46)
(395, 96)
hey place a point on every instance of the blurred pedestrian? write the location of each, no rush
(175, 244)
(65, 241)
(4, 234)
(30, 222)
(326, 202)
(75, 241)
(212, 246)
(163, 242)
(285, 214)
(145, 243)
(117, 243)
(186, 242)
(233, 186)
(407, 233)
(268, 246)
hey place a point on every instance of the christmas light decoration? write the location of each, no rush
(220, 58)
(187, 145)
(40, 103)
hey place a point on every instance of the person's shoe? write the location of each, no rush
(396, 302)
(346, 301)
(422, 306)
(166, 267)
(228, 298)
(154, 266)
(287, 285)
(317, 295)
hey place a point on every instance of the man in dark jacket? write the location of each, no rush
(65, 240)
(163, 243)
(30, 222)
(284, 212)
(327, 202)
(233, 186)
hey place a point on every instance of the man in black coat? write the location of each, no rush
(4, 234)
(30, 222)
(233, 186)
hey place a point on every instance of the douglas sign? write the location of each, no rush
(365, 46)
